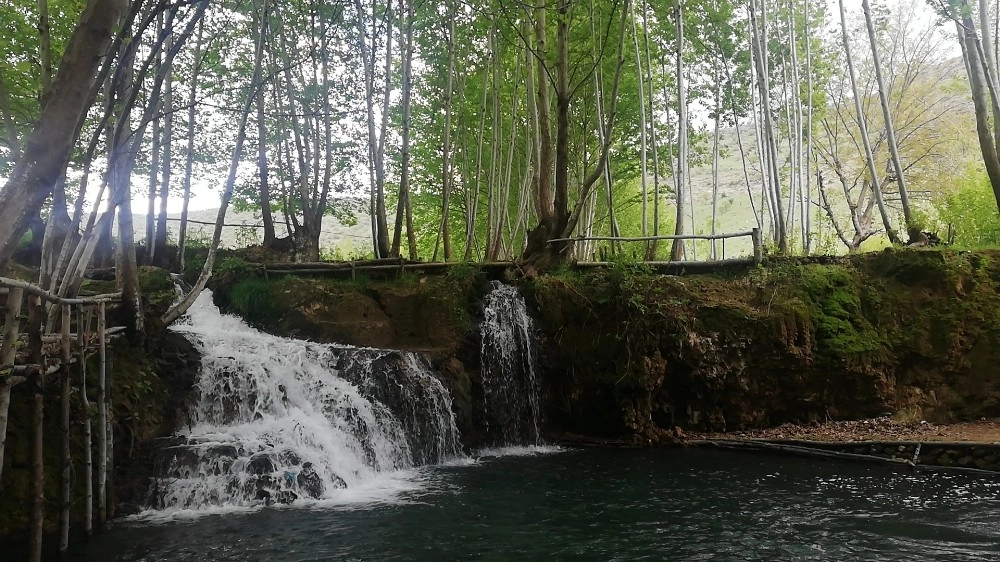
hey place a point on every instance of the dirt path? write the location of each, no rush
(875, 429)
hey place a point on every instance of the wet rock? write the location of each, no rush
(310, 482)
(260, 463)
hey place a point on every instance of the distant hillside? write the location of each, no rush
(245, 229)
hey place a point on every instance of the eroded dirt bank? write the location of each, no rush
(630, 355)
(912, 334)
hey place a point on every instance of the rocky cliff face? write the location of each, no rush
(630, 354)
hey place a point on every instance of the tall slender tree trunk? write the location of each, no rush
(446, 157)
(890, 130)
(159, 255)
(677, 251)
(716, 138)
(255, 83)
(642, 121)
(402, 206)
(651, 254)
(154, 160)
(763, 84)
(376, 142)
(863, 125)
(807, 243)
(190, 150)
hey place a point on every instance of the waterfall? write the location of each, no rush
(510, 394)
(276, 418)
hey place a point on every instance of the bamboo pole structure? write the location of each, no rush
(33, 368)
(109, 428)
(37, 494)
(82, 329)
(64, 410)
(102, 416)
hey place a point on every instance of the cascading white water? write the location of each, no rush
(510, 388)
(276, 417)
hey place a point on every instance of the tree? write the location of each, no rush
(47, 149)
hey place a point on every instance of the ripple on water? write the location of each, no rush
(604, 505)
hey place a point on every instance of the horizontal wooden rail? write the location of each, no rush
(681, 264)
(651, 238)
(754, 234)
(56, 299)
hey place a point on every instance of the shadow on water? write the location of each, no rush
(595, 504)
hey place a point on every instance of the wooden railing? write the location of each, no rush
(31, 351)
(754, 235)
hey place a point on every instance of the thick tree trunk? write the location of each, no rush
(8, 352)
(48, 147)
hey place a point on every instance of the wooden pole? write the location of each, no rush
(64, 406)
(82, 329)
(8, 352)
(102, 418)
(758, 246)
(110, 428)
(37, 515)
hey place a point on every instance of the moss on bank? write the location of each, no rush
(896, 331)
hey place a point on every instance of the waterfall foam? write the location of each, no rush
(510, 393)
(278, 418)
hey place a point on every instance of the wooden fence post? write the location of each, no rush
(64, 403)
(758, 249)
(37, 516)
(102, 417)
(82, 333)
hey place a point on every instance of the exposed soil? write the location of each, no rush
(874, 429)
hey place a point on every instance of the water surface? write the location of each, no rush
(596, 504)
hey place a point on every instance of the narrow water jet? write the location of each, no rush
(507, 356)
(276, 419)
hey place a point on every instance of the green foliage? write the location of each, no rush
(252, 299)
(971, 210)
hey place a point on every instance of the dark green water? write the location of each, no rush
(610, 505)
